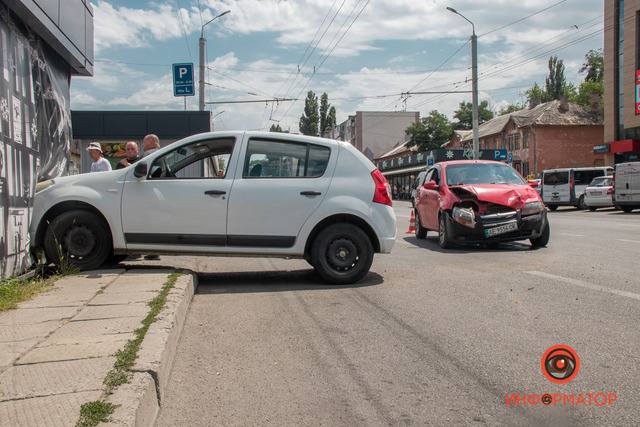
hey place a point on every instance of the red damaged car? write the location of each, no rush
(479, 202)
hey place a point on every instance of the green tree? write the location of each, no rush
(556, 84)
(511, 108)
(327, 115)
(310, 119)
(594, 66)
(430, 132)
(583, 96)
(537, 95)
(275, 128)
(464, 114)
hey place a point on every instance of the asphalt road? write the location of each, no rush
(429, 337)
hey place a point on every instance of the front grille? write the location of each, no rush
(498, 213)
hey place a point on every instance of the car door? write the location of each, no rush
(283, 181)
(420, 199)
(181, 202)
(432, 200)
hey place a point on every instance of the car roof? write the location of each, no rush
(470, 162)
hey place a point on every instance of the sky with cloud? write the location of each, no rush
(367, 55)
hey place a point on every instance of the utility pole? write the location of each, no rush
(203, 42)
(474, 82)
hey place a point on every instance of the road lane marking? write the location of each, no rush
(585, 284)
(625, 240)
(574, 235)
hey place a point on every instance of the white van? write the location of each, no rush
(626, 186)
(565, 186)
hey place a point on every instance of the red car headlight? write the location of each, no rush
(464, 216)
(532, 208)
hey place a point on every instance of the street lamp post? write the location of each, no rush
(203, 41)
(474, 81)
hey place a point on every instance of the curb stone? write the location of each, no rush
(140, 399)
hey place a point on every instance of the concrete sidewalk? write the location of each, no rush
(57, 348)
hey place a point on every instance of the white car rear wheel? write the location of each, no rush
(342, 253)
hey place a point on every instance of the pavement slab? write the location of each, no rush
(139, 281)
(96, 312)
(85, 350)
(48, 411)
(46, 379)
(57, 348)
(99, 327)
(123, 298)
(22, 332)
(31, 316)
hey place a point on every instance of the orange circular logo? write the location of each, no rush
(560, 364)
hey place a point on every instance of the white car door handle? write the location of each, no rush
(310, 193)
(214, 192)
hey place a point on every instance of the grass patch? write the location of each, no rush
(14, 291)
(126, 358)
(93, 413)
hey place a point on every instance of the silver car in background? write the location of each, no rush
(598, 193)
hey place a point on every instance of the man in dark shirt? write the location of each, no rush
(131, 157)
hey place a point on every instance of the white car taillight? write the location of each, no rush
(382, 194)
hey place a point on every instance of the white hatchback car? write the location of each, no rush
(256, 194)
(598, 193)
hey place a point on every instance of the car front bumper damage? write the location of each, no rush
(493, 229)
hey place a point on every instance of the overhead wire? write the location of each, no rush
(184, 30)
(332, 48)
(432, 98)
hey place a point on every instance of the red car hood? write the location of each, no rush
(514, 196)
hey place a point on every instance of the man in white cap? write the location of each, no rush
(100, 164)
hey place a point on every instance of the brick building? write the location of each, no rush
(550, 135)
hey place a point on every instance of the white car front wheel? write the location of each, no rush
(80, 237)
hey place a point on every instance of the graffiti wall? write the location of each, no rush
(35, 132)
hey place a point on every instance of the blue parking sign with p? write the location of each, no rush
(183, 80)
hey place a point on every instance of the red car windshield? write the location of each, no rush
(482, 173)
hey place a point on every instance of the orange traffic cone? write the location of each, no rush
(412, 224)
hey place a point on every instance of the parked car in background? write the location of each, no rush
(225, 193)
(598, 193)
(538, 187)
(477, 201)
(418, 182)
(565, 186)
(626, 187)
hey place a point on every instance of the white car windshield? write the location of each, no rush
(482, 173)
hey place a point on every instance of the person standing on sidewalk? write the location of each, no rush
(150, 144)
(132, 155)
(100, 164)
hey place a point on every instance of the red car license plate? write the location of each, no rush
(501, 229)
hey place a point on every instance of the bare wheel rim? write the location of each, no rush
(342, 254)
(78, 241)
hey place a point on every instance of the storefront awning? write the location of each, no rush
(405, 170)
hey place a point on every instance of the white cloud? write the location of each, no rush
(510, 59)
